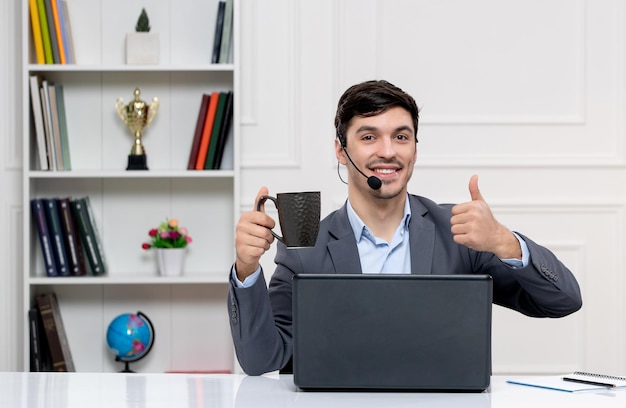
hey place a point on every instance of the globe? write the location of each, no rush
(130, 337)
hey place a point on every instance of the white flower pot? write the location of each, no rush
(171, 261)
(142, 48)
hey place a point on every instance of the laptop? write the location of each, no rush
(392, 332)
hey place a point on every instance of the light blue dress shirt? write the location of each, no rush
(380, 256)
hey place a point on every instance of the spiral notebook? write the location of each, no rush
(574, 382)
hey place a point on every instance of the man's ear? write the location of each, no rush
(339, 153)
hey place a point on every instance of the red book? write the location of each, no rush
(195, 146)
(206, 132)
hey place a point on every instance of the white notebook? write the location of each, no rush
(574, 382)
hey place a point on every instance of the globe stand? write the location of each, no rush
(126, 366)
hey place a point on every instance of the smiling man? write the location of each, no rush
(384, 229)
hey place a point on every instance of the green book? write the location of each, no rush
(215, 132)
(45, 32)
(65, 146)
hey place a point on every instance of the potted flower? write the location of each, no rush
(170, 242)
(142, 46)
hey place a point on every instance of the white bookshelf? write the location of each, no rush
(188, 312)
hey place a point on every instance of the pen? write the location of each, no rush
(576, 380)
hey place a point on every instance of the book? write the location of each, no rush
(45, 32)
(71, 238)
(54, 5)
(52, 32)
(67, 32)
(63, 136)
(224, 132)
(215, 132)
(45, 240)
(35, 99)
(197, 137)
(39, 350)
(54, 126)
(574, 382)
(56, 236)
(47, 122)
(88, 235)
(219, 26)
(206, 131)
(227, 33)
(54, 328)
(36, 31)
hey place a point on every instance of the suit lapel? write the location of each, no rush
(342, 246)
(422, 235)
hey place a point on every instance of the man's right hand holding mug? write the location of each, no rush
(252, 238)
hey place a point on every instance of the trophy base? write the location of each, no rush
(137, 162)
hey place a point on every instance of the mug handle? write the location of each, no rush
(258, 208)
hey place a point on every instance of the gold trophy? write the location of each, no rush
(137, 116)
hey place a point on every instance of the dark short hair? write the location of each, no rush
(371, 98)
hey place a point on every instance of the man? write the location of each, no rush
(383, 229)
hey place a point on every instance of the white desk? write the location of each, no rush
(80, 390)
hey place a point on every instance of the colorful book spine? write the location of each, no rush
(36, 31)
(54, 122)
(45, 32)
(75, 253)
(206, 131)
(197, 136)
(56, 236)
(224, 132)
(215, 132)
(67, 33)
(88, 236)
(52, 32)
(54, 4)
(45, 240)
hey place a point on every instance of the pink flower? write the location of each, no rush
(153, 232)
(145, 245)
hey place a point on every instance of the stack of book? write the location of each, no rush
(222, 40)
(68, 235)
(51, 30)
(48, 107)
(49, 348)
(212, 129)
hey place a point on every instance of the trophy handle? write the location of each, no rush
(152, 110)
(120, 108)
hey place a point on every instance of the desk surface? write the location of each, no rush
(68, 390)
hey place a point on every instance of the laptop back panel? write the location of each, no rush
(412, 332)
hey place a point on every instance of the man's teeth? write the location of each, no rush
(385, 171)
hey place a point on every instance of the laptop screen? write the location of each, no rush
(417, 332)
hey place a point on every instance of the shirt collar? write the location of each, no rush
(359, 227)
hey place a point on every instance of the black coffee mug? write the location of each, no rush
(299, 217)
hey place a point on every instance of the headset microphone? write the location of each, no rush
(374, 182)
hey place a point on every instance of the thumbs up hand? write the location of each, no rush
(473, 225)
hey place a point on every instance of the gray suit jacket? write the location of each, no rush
(261, 324)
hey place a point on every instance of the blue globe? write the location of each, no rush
(130, 337)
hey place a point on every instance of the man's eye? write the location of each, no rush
(402, 137)
(367, 137)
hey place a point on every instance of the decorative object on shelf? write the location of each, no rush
(171, 261)
(130, 337)
(137, 115)
(142, 46)
(171, 242)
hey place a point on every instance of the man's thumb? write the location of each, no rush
(262, 192)
(474, 190)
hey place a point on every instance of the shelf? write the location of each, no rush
(131, 280)
(122, 174)
(130, 68)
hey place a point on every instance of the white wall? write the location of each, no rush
(528, 94)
